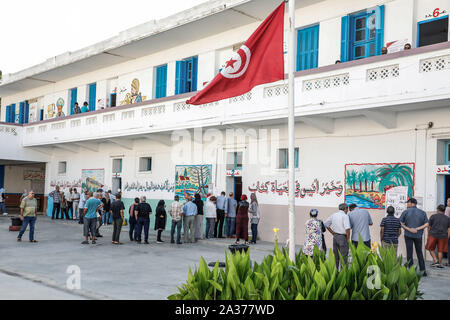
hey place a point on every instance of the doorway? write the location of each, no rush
(237, 188)
(447, 189)
(116, 185)
(432, 31)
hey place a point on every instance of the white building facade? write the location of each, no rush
(363, 126)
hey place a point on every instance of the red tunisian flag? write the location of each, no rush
(260, 60)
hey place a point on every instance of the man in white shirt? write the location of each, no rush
(75, 203)
(339, 226)
(81, 205)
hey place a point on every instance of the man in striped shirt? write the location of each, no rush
(56, 195)
(176, 212)
(391, 229)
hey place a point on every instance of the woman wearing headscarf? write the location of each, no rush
(106, 209)
(254, 214)
(242, 220)
(160, 219)
(198, 218)
(314, 229)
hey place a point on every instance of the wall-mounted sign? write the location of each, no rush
(234, 173)
(444, 169)
(436, 13)
(397, 197)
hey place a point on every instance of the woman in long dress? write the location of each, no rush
(160, 219)
(242, 220)
(314, 229)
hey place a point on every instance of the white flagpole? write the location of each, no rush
(291, 127)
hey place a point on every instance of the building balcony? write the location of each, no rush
(377, 87)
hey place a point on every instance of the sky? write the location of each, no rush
(32, 31)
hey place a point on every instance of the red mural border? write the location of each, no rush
(377, 164)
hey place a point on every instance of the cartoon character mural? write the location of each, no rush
(190, 180)
(51, 111)
(60, 105)
(366, 184)
(135, 96)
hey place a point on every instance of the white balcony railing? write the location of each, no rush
(407, 77)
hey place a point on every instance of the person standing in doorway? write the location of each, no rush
(76, 108)
(56, 195)
(231, 216)
(2, 201)
(75, 203)
(390, 230)
(447, 213)
(82, 205)
(160, 219)
(117, 208)
(242, 220)
(414, 220)
(28, 215)
(198, 218)
(255, 216)
(438, 235)
(360, 221)
(211, 216)
(93, 204)
(143, 212)
(176, 212)
(339, 226)
(85, 107)
(189, 213)
(132, 220)
(221, 214)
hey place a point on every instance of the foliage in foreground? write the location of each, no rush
(279, 278)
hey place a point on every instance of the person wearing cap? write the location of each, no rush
(242, 220)
(414, 220)
(314, 230)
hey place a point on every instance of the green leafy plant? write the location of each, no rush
(277, 277)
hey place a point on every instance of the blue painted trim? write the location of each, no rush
(161, 82)
(308, 47)
(426, 21)
(73, 99)
(2, 176)
(345, 38)
(92, 96)
(447, 152)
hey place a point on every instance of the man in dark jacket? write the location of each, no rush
(414, 220)
(142, 212)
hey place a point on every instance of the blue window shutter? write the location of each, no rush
(21, 112)
(8, 108)
(14, 119)
(380, 29)
(27, 111)
(164, 85)
(180, 77)
(308, 48)
(92, 96)
(161, 81)
(73, 99)
(345, 38)
(296, 157)
(194, 73)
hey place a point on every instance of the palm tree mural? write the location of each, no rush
(360, 180)
(396, 175)
(351, 179)
(372, 178)
(364, 176)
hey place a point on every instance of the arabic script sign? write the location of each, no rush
(234, 173)
(281, 188)
(445, 169)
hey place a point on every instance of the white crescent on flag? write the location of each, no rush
(238, 65)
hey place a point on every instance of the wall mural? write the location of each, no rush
(147, 187)
(282, 188)
(51, 110)
(367, 183)
(190, 180)
(135, 96)
(92, 179)
(60, 106)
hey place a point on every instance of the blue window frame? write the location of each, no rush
(186, 75)
(238, 160)
(308, 48)
(8, 114)
(447, 152)
(283, 158)
(435, 40)
(2, 176)
(362, 34)
(41, 115)
(27, 111)
(161, 82)
(73, 99)
(92, 96)
(21, 112)
(14, 116)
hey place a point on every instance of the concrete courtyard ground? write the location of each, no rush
(131, 271)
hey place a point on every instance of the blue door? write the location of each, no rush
(307, 48)
(27, 111)
(362, 34)
(186, 75)
(92, 96)
(73, 99)
(22, 112)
